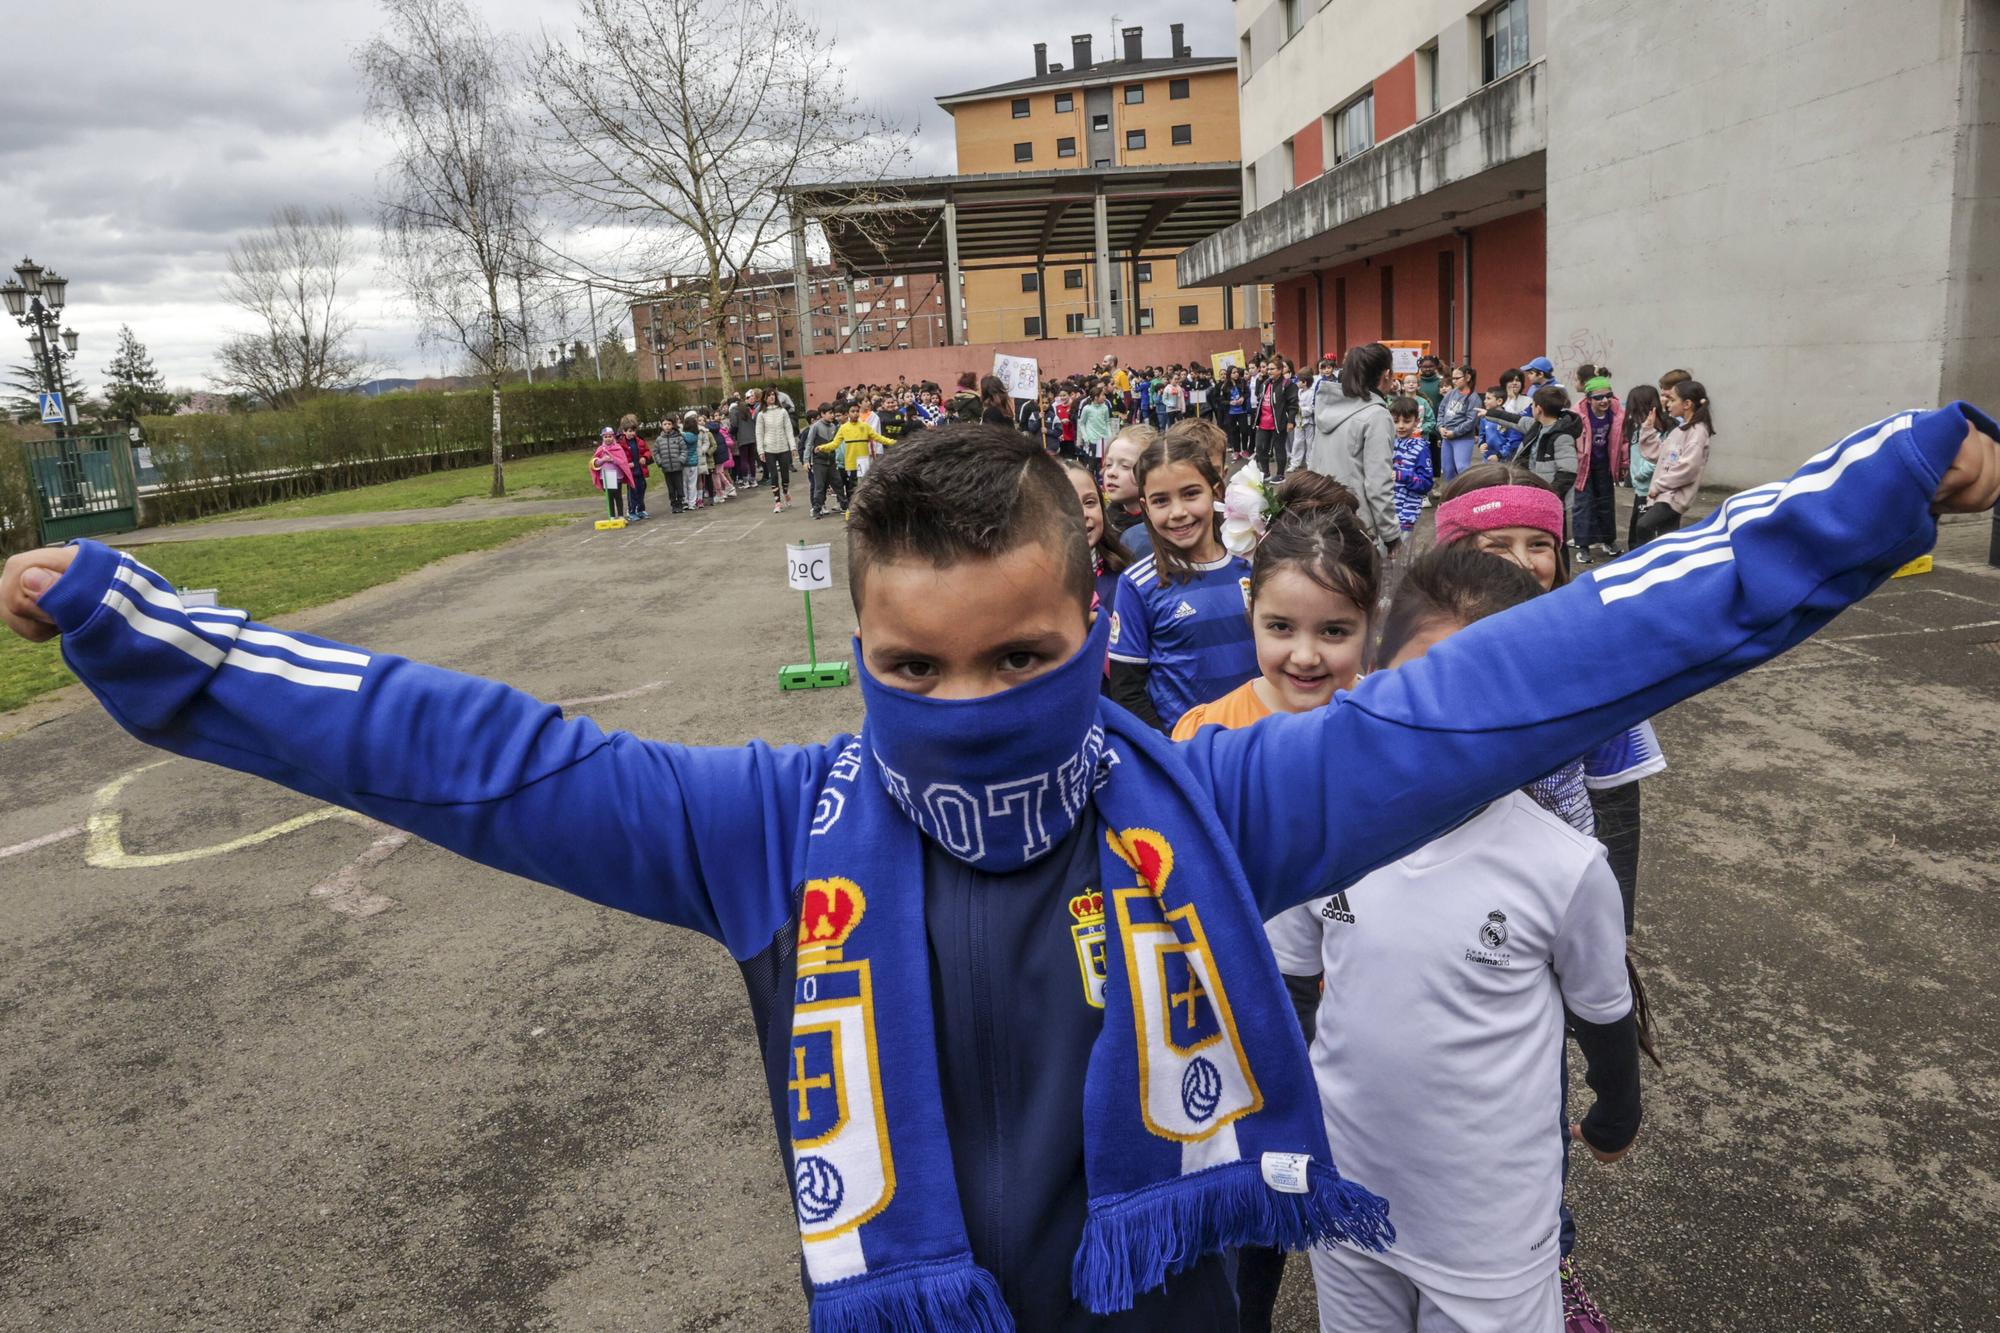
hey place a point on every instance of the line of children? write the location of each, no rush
(1178, 635)
(1449, 977)
(866, 891)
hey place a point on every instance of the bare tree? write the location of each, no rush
(457, 202)
(287, 277)
(683, 121)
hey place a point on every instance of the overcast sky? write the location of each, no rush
(167, 131)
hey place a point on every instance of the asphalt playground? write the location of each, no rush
(268, 1066)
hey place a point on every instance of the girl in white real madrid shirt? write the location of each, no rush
(1439, 1036)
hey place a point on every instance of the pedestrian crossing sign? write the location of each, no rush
(52, 410)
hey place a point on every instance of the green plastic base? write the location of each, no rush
(812, 676)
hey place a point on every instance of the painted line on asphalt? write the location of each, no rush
(752, 528)
(633, 693)
(105, 848)
(46, 840)
(1912, 633)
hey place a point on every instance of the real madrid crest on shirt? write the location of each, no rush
(842, 1171)
(1194, 1078)
(1088, 932)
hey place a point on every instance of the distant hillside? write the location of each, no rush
(433, 384)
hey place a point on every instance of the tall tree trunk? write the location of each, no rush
(494, 370)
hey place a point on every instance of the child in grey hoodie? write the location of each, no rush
(1354, 440)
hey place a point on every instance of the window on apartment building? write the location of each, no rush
(1354, 127)
(1145, 317)
(1190, 314)
(1101, 162)
(1144, 273)
(1031, 282)
(1101, 124)
(1134, 139)
(1503, 39)
(1020, 108)
(1065, 102)
(1024, 152)
(1031, 327)
(770, 360)
(1073, 279)
(1295, 18)
(1135, 93)
(1183, 134)
(1073, 322)
(1427, 81)
(901, 304)
(1065, 148)
(1177, 90)
(1243, 58)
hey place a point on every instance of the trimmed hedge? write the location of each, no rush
(17, 501)
(212, 464)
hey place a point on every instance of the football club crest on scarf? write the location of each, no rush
(842, 1170)
(1088, 933)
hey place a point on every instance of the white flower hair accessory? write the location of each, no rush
(1247, 506)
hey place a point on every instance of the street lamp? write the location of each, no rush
(35, 300)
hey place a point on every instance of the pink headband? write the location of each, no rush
(1499, 507)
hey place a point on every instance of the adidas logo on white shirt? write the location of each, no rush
(1183, 611)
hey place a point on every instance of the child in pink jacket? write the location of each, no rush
(611, 469)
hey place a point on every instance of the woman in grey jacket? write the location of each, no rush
(1354, 439)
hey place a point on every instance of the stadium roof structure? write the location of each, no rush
(1017, 219)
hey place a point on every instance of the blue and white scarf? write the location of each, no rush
(1202, 1127)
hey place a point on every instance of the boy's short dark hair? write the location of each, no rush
(966, 491)
(1405, 408)
(1552, 398)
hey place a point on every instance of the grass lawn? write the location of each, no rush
(270, 576)
(564, 476)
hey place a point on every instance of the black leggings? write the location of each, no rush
(1617, 813)
(1655, 520)
(1270, 449)
(614, 499)
(778, 469)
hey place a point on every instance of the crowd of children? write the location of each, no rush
(1025, 972)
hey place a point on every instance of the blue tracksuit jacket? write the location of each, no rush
(486, 771)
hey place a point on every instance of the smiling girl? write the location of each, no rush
(1107, 558)
(1178, 635)
(1311, 583)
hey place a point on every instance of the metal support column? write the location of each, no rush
(1101, 265)
(954, 297)
(1253, 318)
(801, 288)
(1042, 295)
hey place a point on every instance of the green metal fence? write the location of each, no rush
(83, 486)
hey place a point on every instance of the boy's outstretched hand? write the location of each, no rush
(27, 577)
(1973, 483)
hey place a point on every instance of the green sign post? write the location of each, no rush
(810, 569)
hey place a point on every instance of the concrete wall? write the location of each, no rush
(1795, 204)
(825, 375)
(1343, 48)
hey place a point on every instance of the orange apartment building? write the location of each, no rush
(1133, 111)
(857, 312)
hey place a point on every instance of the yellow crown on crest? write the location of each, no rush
(1088, 908)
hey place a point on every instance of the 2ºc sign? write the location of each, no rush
(809, 568)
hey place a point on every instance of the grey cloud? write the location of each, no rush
(183, 127)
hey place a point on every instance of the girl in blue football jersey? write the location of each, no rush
(1179, 635)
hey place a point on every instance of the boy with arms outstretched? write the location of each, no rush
(1027, 1053)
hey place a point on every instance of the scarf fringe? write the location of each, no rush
(1133, 1242)
(954, 1294)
